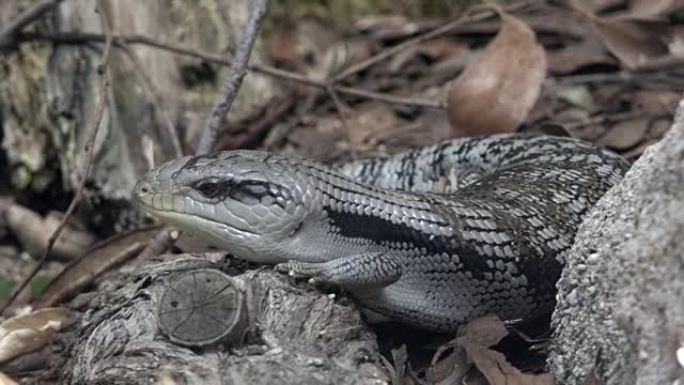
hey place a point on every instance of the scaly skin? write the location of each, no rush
(433, 237)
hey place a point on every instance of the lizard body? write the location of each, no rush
(432, 237)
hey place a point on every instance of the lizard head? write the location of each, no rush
(246, 202)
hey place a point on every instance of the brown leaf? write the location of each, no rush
(636, 152)
(498, 371)
(451, 368)
(658, 128)
(496, 92)
(485, 331)
(397, 370)
(475, 339)
(33, 232)
(592, 6)
(317, 138)
(573, 57)
(632, 40)
(648, 8)
(657, 102)
(25, 333)
(448, 368)
(94, 262)
(370, 120)
(625, 134)
(434, 50)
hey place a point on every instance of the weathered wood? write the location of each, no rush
(47, 103)
(295, 335)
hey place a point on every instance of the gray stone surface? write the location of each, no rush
(620, 313)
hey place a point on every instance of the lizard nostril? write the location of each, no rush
(143, 188)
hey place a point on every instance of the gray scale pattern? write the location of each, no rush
(433, 237)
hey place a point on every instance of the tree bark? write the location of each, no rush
(47, 101)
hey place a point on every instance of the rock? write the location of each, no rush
(294, 335)
(621, 317)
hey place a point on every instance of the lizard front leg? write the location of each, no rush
(361, 271)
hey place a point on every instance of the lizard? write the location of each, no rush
(433, 237)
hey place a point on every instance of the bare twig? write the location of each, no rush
(258, 123)
(24, 19)
(607, 118)
(618, 77)
(237, 71)
(446, 28)
(156, 100)
(88, 149)
(391, 99)
(81, 38)
(342, 113)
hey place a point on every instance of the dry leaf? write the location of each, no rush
(576, 56)
(382, 27)
(634, 41)
(648, 8)
(25, 333)
(33, 232)
(369, 121)
(496, 92)
(658, 128)
(634, 37)
(498, 371)
(634, 154)
(595, 5)
(451, 368)
(485, 331)
(626, 134)
(397, 368)
(475, 339)
(657, 102)
(433, 50)
(94, 262)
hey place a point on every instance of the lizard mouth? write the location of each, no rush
(185, 220)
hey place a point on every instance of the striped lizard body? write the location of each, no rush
(432, 237)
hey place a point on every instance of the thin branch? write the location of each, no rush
(446, 28)
(237, 71)
(342, 113)
(391, 99)
(618, 77)
(88, 149)
(81, 38)
(156, 99)
(607, 118)
(24, 19)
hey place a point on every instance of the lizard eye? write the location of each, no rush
(209, 189)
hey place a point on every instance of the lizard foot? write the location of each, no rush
(301, 270)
